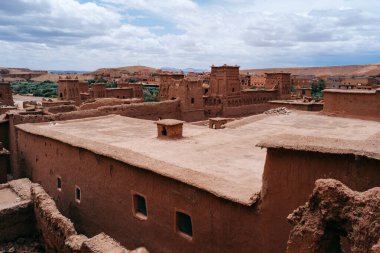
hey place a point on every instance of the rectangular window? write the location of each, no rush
(184, 224)
(192, 100)
(77, 194)
(139, 206)
(59, 183)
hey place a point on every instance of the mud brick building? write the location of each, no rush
(210, 191)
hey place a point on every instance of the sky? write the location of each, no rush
(91, 34)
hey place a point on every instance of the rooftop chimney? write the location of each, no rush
(169, 128)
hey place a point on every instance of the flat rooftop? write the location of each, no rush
(226, 163)
(352, 91)
(8, 198)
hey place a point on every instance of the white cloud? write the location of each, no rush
(66, 34)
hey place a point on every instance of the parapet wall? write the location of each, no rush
(245, 110)
(353, 103)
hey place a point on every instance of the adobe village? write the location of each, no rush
(225, 161)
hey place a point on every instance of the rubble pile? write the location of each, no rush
(336, 219)
(278, 111)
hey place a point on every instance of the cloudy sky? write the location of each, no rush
(89, 34)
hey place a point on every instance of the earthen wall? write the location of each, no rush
(218, 225)
(365, 105)
(122, 93)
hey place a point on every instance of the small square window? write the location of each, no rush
(139, 205)
(192, 100)
(184, 224)
(78, 194)
(59, 183)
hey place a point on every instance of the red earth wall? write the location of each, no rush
(365, 105)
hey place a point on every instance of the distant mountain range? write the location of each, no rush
(186, 70)
(351, 70)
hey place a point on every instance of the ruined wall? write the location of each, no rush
(335, 219)
(58, 232)
(17, 218)
(289, 178)
(54, 228)
(357, 104)
(60, 109)
(218, 225)
(95, 104)
(166, 80)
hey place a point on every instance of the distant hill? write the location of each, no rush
(123, 70)
(351, 70)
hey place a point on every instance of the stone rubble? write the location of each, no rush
(278, 111)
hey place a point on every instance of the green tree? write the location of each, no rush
(317, 88)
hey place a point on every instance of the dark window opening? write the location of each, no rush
(173, 98)
(192, 100)
(59, 183)
(184, 224)
(140, 205)
(164, 132)
(77, 194)
(233, 89)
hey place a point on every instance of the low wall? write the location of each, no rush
(352, 103)
(311, 107)
(152, 111)
(54, 228)
(60, 109)
(245, 110)
(16, 217)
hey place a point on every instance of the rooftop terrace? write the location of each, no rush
(225, 162)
